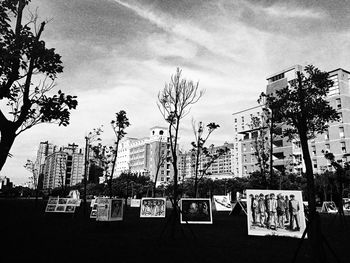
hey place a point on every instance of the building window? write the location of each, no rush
(326, 135)
(341, 132)
(244, 148)
(314, 150)
(328, 147)
(235, 120)
(340, 117)
(343, 147)
(245, 158)
(338, 103)
(242, 118)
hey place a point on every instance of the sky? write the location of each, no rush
(119, 54)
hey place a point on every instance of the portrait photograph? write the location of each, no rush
(153, 207)
(346, 204)
(222, 202)
(50, 208)
(116, 209)
(103, 212)
(196, 211)
(275, 212)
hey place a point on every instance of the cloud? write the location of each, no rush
(286, 10)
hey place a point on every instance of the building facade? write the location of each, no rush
(221, 168)
(287, 155)
(149, 156)
(60, 166)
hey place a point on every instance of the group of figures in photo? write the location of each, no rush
(153, 207)
(275, 212)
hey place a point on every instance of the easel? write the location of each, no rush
(242, 207)
(323, 238)
(174, 218)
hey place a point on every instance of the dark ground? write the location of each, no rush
(30, 235)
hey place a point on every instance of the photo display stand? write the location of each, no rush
(62, 205)
(173, 221)
(238, 206)
(322, 238)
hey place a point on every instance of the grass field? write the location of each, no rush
(27, 233)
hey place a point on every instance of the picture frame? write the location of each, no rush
(275, 212)
(153, 207)
(222, 203)
(196, 211)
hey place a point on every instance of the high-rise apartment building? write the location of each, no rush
(221, 168)
(60, 165)
(146, 156)
(287, 155)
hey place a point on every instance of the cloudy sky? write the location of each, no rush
(118, 54)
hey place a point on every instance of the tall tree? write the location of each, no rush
(30, 166)
(119, 125)
(260, 145)
(210, 155)
(303, 107)
(28, 70)
(198, 146)
(160, 157)
(174, 102)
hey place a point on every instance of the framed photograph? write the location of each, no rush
(60, 208)
(50, 208)
(93, 213)
(62, 201)
(222, 202)
(93, 202)
(116, 206)
(195, 211)
(329, 207)
(72, 201)
(103, 211)
(346, 204)
(70, 208)
(275, 212)
(52, 200)
(135, 203)
(153, 207)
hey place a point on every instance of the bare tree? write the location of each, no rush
(174, 102)
(160, 158)
(30, 166)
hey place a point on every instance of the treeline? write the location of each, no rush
(131, 185)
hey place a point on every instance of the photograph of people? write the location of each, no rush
(195, 211)
(152, 207)
(116, 209)
(275, 212)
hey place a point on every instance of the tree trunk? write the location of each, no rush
(8, 136)
(314, 229)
